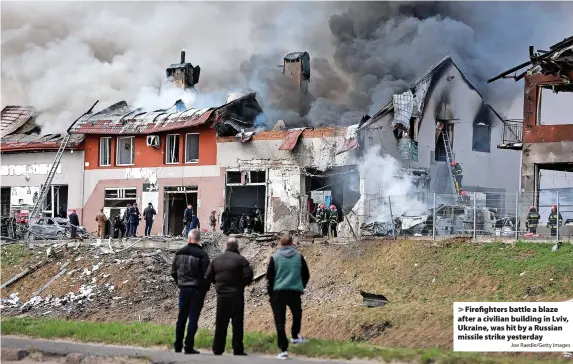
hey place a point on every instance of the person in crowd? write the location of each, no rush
(226, 221)
(188, 270)
(126, 219)
(333, 223)
(195, 224)
(132, 218)
(74, 223)
(230, 272)
(187, 217)
(149, 214)
(532, 220)
(101, 220)
(248, 224)
(322, 219)
(554, 221)
(287, 276)
(243, 223)
(137, 218)
(213, 220)
(258, 222)
(118, 227)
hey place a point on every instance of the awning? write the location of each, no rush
(291, 139)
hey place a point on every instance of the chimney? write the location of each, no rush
(183, 74)
(297, 67)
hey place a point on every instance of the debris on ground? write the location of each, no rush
(373, 299)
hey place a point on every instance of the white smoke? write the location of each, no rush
(387, 186)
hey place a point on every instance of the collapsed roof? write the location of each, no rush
(18, 119)
(239, 113)
(557, 61)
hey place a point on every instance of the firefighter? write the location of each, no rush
(532, 220)
(457, 173)
(321, 220)
(554, 221)
(464, 198)
(333, 222)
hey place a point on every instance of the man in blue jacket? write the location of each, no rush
(287, 277)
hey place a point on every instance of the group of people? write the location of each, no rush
(287, 276)
(327, 220)
(554, 221)
(249, 223)
(125, 224)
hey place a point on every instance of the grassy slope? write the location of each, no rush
(147, 335)
(421, 281)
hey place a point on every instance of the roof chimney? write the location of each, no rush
(183, 74)
(297, 66)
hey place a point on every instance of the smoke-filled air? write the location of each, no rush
(61, 57)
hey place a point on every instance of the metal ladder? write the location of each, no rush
(449, 158)
(38, 206)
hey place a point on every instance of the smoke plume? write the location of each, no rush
(61, 56)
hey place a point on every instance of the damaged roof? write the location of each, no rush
(48, 142)
(557, 61)
(17, 117)
(418, 89)
(120, 118)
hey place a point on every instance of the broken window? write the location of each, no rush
(234, 177)
(125, 151)
(258, 177)
(172, 149)
(105, 151)
(481, 137)
(192, 148)
(554, 108)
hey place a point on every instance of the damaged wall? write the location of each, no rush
(497, 169)
(72, 172)
(285, 169)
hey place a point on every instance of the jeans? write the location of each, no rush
(279, 302)
(233, 309)
(132, 229)
(190, 305)
(187, 229)
(148, 224)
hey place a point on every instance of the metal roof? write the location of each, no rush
(35, 142)
(291, 139)
(14, 117)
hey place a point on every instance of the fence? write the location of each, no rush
(477, 214)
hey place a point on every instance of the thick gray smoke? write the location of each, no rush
(60, 57)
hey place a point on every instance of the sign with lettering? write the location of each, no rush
(27, 169)
(180, 189)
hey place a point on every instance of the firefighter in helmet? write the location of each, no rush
(554, 221)
(532, 220)
(457, 173)
(333, 223)
(321, 220)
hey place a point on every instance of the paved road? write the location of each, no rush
(155, 356)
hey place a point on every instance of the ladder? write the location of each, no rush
(39, 205)
(449, 159)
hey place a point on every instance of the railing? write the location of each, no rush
(512, 132)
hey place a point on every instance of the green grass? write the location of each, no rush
(14, 254)
(152, 335)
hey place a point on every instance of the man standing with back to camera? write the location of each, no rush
(188, 270)
(231, 273)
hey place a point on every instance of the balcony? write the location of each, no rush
(512, 137)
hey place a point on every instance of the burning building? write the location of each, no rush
(545, 137)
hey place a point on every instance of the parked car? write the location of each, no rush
(53, 228)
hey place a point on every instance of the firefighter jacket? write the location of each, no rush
(320, 216)
(457, 170)
(533, 219)
(555, 220)
(333, 216)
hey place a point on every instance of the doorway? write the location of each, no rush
(5, 201)
(175, 204)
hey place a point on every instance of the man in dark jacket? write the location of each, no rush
(226, 221)
(187, 219)
(230, 273)
(287, 277)
(74, 223)
(126, 220)
(188, 270)
(148, 215)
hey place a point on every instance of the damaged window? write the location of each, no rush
(172, 149)
(192, 148)
(554, 108)
(105, 151)
(258, 177)
(481, 138)
(234, 177)
(125, 152)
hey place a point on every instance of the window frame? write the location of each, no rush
(132, 151)
(167, 146)
(477, 127)
(194, 161)
(109, 151)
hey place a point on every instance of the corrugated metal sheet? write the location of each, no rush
(293, 56)
(16, 142)
(14, 117)
(291, 139)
